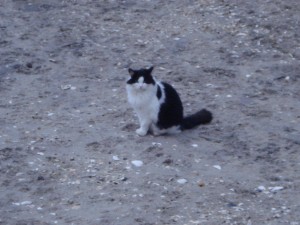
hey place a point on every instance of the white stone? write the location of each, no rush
(116, 158)
(182, 181)
(261, 188)
(275, 189)
(137, 163)
(22, 203)
(66, 87)
(217, 167)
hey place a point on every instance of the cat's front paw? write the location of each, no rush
(141, 132)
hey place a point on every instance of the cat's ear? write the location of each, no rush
(131, 71)
(150, 69)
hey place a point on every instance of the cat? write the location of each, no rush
(158, 105)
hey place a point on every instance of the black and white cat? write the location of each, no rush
(158, 105)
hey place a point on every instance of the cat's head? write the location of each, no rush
(141, 79)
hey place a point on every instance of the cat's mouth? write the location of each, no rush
(141, 87)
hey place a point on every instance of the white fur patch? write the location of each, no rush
(163, 95)
(141, 80)
(145, 104)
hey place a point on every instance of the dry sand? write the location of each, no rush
(67, 137)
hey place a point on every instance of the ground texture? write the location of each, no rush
(68, 149)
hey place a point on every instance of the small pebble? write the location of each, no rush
(137, 163)
(277, 215)
(124, 179)
(194, 145)
(66, 87)
(261, 188)
(201, 184)
(182, 181)
(275, 189)
(40, 178)
(116, 158)
(217, 167)
(29, 65)
(168, 161)
(22, 203)
(156, 143)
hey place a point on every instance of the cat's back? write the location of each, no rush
(171, 110)
(171, 94)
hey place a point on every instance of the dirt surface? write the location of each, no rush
(68, 149)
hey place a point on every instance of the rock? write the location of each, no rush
(66, 87)
(137, 163)
(116, 158)
(168, 161)
(276, 189)
(261, 188)
(22, 203)
(41, 178)
(201, 184)
(182, 181)
(29, 65)
(217, 167)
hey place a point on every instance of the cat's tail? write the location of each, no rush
(202, 117)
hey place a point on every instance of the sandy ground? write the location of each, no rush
(67, 143)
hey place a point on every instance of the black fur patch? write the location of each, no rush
(201, 117)
(158, 92)
(171, 111)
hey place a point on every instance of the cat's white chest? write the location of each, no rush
(145, 103)
(139, 99)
